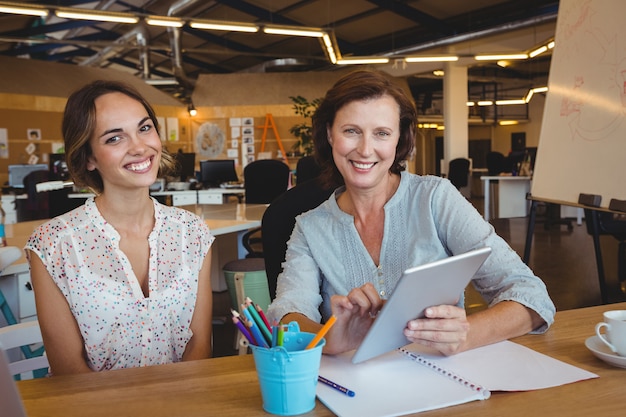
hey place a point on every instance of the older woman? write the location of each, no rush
(347, 255)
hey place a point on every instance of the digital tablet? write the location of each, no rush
(435, 283)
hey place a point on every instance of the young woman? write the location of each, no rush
(346, 256)
(121, 281)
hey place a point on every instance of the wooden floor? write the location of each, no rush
(564, 259)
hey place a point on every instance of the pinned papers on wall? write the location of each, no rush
(172, 129)
(30, 148)
(4, 143)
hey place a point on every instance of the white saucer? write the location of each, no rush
(602, 351)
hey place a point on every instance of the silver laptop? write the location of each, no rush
(435, 283)
(9, 395)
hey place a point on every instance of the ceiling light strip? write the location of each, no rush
(164, 21)
(17, 9)
(224, 26)
(328, 44)
(510, 102)
(362, 60)
(99, 16)
(306, 32)
(500, 56)
(442, 58)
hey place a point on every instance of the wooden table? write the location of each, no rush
(228, 386)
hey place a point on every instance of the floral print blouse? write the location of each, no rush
(122, 328)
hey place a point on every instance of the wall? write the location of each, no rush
(220, 97)
(33, 96)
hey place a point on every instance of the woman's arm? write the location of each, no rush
(62, 339)
(447, 329)
(199, 346)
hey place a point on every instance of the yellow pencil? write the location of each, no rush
(321, 333)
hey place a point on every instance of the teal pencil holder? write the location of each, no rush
(288, 374)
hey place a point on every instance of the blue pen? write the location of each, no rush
(336, 386)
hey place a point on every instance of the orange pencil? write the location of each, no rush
(321, 333)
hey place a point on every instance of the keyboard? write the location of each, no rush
(231, 185)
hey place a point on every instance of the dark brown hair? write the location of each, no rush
(79, 124)
(361, 85)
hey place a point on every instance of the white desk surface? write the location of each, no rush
(504, 178)
(230, 217)
(173, 192)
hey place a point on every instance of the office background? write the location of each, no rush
(227, 74)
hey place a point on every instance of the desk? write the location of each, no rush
(228, 386)
(187, 197)
(228, 222)
(511, 196)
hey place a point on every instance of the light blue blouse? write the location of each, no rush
(426, 219)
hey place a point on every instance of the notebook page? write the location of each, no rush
(389, 385)
(508, 366)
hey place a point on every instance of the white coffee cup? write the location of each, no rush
(615, 336)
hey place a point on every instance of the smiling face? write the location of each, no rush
(364, 136)
(126, 148)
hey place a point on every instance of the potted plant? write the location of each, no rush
(303, 131)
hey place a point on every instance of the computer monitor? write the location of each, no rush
(58, 167)
(214, 172)
(18, 172)
(185, 165)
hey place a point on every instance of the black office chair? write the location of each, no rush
(458, 172)
(37, 205)
(264, 181)
(279, 220)
(495, 163)
(306, 169)
(614, 225)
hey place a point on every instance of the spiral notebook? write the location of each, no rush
(413, 378)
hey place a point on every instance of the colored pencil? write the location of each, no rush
(243, 323)
(262, 314)
(267, 334)
(254, 329)
(321, 333)
(281, 335)
(243, 330)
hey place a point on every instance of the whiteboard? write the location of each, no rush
(582, 144)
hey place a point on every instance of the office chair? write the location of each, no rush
(306, 169)
(23, 335)
(495, 163)
(264, 180)
(278, 222)
(37, 205)
(608, 224)
(16, 334)
(458, 172)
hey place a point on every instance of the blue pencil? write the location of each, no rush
(254, 329)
